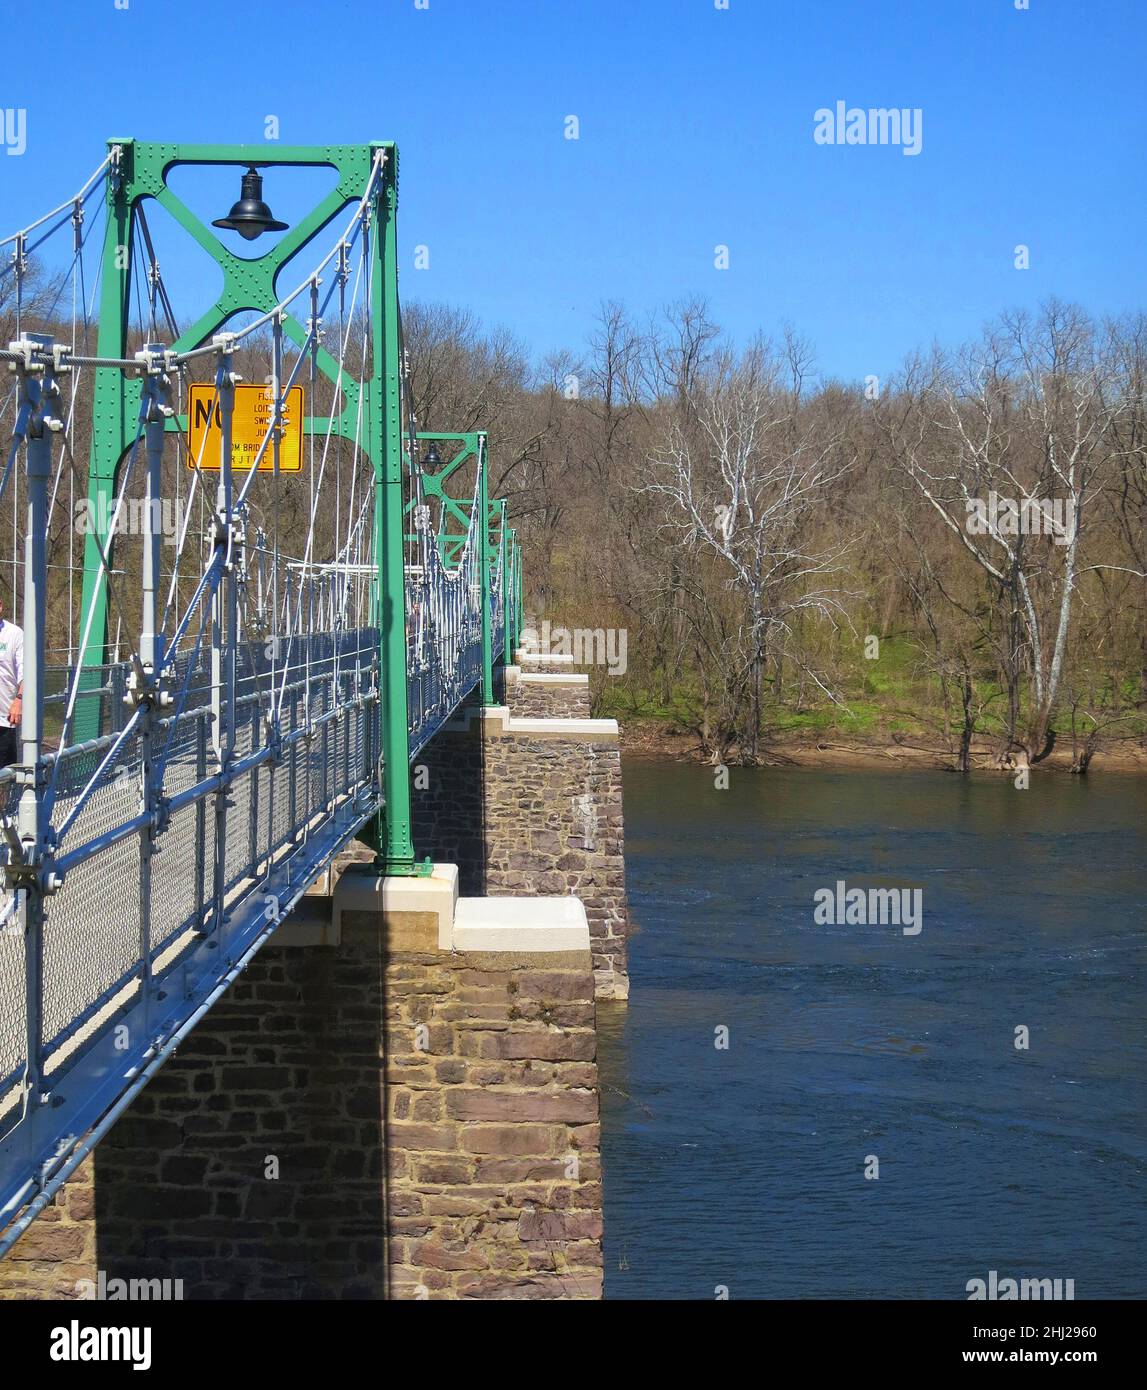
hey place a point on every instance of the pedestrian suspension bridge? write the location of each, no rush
(251, 590)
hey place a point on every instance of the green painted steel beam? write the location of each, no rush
(487, 572)
(140, 173)
(434, 485)
(395, 843)
(510, 552)
(115, 408)
(474, 444)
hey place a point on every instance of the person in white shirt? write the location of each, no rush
(11, 688)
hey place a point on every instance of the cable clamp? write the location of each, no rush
(29, 352)
(155, 361)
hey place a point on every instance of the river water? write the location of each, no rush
(743, 1167)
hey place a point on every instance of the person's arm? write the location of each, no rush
(16, 708)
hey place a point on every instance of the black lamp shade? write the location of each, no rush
(251, 216)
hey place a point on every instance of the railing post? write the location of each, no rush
(117, 693)
(253, 780)
(146, 678)
(486, 571)
(503, 576)
(519, 617)
(224, 616)
(33, 874)
(510, 602)
(346, 722)
(200, 821)
(156, 411)
(292, 768)
(517, 595)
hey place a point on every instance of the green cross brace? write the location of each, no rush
(251, 285)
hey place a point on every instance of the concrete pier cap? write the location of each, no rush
(547, 678)
(497, 721)
(521, 924)
(424, 914)
(417, 911)
(524, 655)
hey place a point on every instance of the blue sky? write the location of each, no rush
(696, 130)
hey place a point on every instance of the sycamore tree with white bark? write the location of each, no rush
(1007, 442)
(742, 466)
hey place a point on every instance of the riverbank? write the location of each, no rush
(655, 738)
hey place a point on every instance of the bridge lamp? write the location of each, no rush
(432, 459)
(251, 216)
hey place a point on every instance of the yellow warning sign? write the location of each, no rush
(254, 407)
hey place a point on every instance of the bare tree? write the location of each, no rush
(994, 439)
(740, 473)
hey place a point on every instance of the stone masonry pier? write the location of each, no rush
(399, 1097)
(533, 805)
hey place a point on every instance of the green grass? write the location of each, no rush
(893, 695)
